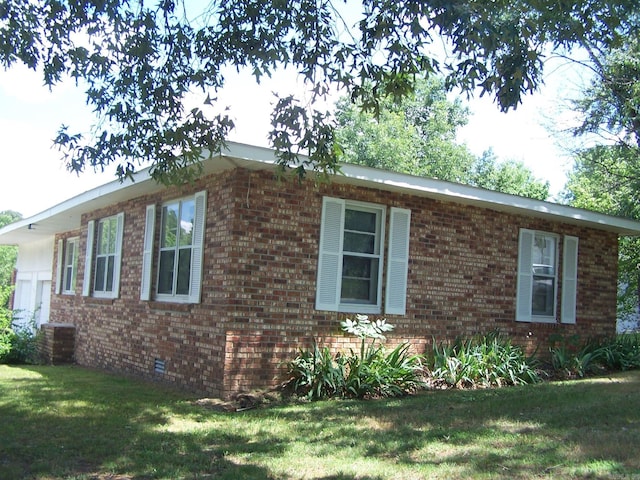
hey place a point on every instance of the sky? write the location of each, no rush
(34, 177)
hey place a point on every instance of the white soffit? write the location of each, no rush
(66, 215)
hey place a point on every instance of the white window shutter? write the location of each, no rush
(118, 260)
(398, 263)
(88, 260)
(59, 267)
(147, 254)
(569, 279)
(524, 290)
(198, 246)
(329, 277)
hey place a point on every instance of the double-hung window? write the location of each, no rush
(361, 255)
(67, 266)
(103, 258)
(538, 273)
(180, 250)
(351, 258)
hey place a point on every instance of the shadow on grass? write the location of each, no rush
(581, 429)
(66, 422)
(70, 426)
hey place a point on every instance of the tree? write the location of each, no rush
(418, 136)
(606, 176)
(508, 177)
(604, 179)
(610, 106)
(8, 254)
(415, 135)
(138, 61)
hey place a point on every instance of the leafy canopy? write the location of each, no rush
(139, 61)
(417, 135)
(8, 253)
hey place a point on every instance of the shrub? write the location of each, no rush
(622, 353)
(18, 343)
(371, 372)
(316, 375)
(483, 361)
(571, 357)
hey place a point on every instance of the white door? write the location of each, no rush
(43, 301)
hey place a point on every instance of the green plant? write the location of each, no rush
(18, 341)
(316, 375)
(7, 335)
(622, 352)
(370, 372)
(572, 358)
(483, 361)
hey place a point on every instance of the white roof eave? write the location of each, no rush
(67, 215)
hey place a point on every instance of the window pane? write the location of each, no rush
(359, 242)
(355, 291)
(544, 255)
(102, 246)
(111, 240)
(184, 271)
(107, 236)
(110, 265)
(165, 276)
(70, 254)
(356, 267)
(360, 221)
(67, 279)
(186, 222)
(170, 225)
(359, 279)
(543, 296)
(100, 271)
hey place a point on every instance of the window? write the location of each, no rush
(544, 275)
(106, 255)
(179, 267)
(103, 257)
(537, 290)
(66, 266)
(69, 266)
(176, 244)
(361, 256)
(351, 257)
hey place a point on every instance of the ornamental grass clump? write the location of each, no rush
(480, 362)
(370, 372)
(572, 357)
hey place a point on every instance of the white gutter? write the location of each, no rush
(66, 215)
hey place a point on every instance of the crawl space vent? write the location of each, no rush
(158, 365)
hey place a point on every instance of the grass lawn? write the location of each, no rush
(70, 422)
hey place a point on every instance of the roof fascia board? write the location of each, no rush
(481, 197)
(254, 157)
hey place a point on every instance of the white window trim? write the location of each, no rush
(74, 266)
(330, 257)
(524, 288)
(89, 267)
(197, 252)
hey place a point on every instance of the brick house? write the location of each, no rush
(212, 285)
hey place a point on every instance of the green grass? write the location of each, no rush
(69, 422)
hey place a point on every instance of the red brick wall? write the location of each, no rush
(261, 251)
